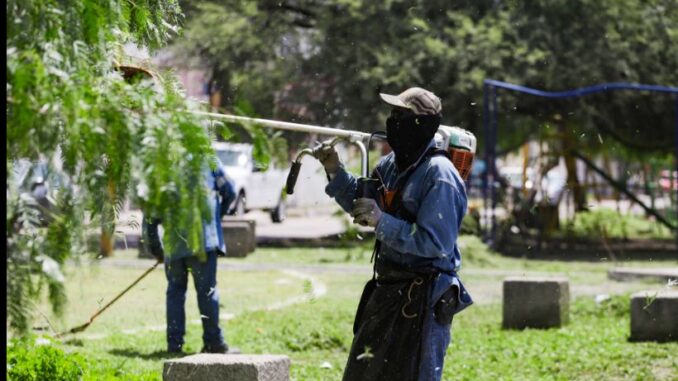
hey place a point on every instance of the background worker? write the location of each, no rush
(220, 194)
(402, 326)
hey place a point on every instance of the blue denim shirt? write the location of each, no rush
(436, 195)
(218, 184)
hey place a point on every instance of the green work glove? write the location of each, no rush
(366, 212)
(328, 157)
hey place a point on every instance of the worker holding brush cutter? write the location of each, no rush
(202, 267)
(415, 200)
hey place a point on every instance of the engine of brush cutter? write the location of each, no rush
(461, 145)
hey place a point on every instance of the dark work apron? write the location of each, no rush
(390, 318)
(388, 326)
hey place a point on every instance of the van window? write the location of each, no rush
(233, 158)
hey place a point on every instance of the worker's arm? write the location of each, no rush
(343, 185)
(151, 238)
(226, 188)
(438, 219)
(342, 188)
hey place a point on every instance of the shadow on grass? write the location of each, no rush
(74, 342)
(157, 355)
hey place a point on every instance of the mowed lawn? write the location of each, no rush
(300, 302)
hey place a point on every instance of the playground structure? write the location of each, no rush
(491, 177)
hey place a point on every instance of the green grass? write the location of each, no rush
(592, 347)
(90, 288)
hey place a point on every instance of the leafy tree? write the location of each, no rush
(586, 42)
(115, 139)
(349, 50)
(252, 51)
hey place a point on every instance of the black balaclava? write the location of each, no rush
(409, 136)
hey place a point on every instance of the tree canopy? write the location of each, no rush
(334, 57)
(113, 139)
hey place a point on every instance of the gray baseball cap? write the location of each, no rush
(421, 101)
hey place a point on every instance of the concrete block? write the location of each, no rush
(219, 367)
(240, 236)
(654, 316)
(535, 302)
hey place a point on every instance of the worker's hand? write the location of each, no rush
(328, 157)
(157, 251)
(366, 212)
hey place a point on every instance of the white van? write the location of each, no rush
(255, 188)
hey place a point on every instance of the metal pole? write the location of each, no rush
(486, 135)
(671, 177)
(493, 154)
(363, 157)
(320, 130)
(352, 135)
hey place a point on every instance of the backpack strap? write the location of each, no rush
(393, 202)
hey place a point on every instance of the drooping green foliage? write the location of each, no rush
(113, 139)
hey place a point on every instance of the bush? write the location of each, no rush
(26, 361)
(470, 225)
(608, 223)
(617, 306)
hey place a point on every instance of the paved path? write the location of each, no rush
(302, 224)
(627, 274)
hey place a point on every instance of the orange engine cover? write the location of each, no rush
(462, 160)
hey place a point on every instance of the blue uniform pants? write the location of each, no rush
(205, 281)
(435, 340)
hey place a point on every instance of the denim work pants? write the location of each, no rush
(205, 281)
(435, 340)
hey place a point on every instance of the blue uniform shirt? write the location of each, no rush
(436, 195)
(218, 184)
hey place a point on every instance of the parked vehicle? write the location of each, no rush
(553, 184)
(514, 177)
(40, 182)
(256, 188)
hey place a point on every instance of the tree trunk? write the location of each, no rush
(108, 216)
(568, 144)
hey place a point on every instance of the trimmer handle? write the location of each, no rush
(296, 164)
(293, 176)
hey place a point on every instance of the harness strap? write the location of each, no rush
(392, 200)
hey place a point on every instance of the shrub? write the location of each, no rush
(26, 361)
(617, 306)
(609, 223)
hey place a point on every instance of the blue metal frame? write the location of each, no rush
(490, 110)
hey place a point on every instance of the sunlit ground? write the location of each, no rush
(301, 303)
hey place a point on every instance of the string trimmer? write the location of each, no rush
(83, 327)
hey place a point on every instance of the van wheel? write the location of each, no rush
(240, 209)
(279, 214)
